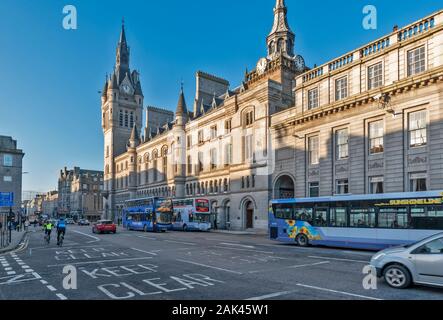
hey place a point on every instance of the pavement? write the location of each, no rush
(134, 265)
(16, 239)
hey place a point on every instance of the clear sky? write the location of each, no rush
(49, 77)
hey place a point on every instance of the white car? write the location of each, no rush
(419, 263)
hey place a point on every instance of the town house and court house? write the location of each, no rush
(369, 121)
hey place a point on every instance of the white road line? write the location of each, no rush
(8, 269)
(51, 288)
(369, 254)
(269, 296)
(87, 235)
(339, 259)
(186, 243)
(143, 237)
(237, 245)
(61, 297)
(212, 267)
(29, 270)
(336, 291)
(239, 249)
(294, 267)
(26, 267)
(44, 282)
(97, 262)
(11, 273)
(154, 253)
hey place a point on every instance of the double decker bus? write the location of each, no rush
(372, 222)
(191, 215)
(148, 214)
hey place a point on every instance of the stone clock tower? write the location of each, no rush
(122, 107)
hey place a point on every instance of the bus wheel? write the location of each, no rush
(302, 240)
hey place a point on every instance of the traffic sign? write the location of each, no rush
(6, 199)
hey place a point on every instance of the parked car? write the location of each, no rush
(104, 226)
(70, 221)
(84, 222)
(419, 263)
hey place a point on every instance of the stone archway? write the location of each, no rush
(284, 187)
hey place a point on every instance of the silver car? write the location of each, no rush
(419, 263)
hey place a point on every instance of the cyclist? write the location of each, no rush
(61, 229)
(48, 229)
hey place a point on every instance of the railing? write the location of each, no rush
(375, 47)
(318, 72)
(341, 62)
(416, 29)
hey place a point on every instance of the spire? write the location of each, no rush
(181, 105)
(280, 18)
(281, 39)
(134, 140)
(105, 88)
(122, 55)
(113, 82)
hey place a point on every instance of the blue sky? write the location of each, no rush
(50, 76)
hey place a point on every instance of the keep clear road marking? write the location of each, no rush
(154, 252)
(211, 267)
(284, 293)
(237, 245)
(87, 235)
(339, 259)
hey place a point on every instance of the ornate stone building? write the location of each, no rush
(80, 194)
(241, 147)
(370, 121)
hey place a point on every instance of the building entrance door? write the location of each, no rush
(249, 215)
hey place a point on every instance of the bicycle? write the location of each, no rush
(47, 238)
(60, 240)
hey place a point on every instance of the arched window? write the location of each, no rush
(126, 119)
(271, 47)
(280, 44)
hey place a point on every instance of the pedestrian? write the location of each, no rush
(26, 225)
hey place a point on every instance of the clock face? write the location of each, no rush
(261, 65)
(126, 88)
(299, 63)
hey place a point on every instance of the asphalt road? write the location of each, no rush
(186, 266)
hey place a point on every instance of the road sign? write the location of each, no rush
(6, 199)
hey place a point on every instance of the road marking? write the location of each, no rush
(10, 273)
(97, 262)
(294, 267)
(8, 269)
(338, 259)
(44, 282)
(237, 245)
(336, 291)
(249, 250)
(269, 296)
(26, 267)
(62, 297)
(149, 238)
(212, 267)
(186, 243)
(51, 288)
(29, 270)
(369, 254)
(154, 253)
(88, 235)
